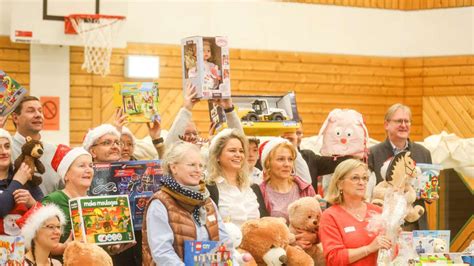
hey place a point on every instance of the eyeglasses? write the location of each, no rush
(401, 121)
(127, 144)
(51, 227)
(197, 166)
(357, 179)
(109, 143)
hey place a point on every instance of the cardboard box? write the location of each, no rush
(261, 115)
(12, 250)
(211, 76)
(427, 182)
(424, 240)
(137, 179)
(206, 253)
(139, 100)
(11, 93)
(102, 220)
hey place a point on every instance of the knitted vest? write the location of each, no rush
(181, 223)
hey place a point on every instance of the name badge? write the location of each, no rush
(349, 229)
(211, 218)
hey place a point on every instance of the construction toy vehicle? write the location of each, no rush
(261, 111)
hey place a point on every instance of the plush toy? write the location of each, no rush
(344, 134)
(31, 151)
(304, 215)
(439, 245)
(267, 239)
(400, 173)
(81, 254)
(236, 237)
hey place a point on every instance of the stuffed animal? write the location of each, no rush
(236, 237)
(267, 239)
(399, 174)
(304, 215)
(31, 151)
(344, 134)
(81, 254)
(439, 245)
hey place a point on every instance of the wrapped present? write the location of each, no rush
(102, 220)
(139, 100)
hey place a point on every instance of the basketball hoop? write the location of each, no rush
(97, 33)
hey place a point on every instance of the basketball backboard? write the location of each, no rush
(42, 21)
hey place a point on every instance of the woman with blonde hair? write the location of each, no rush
(342, 229)
(227, 178)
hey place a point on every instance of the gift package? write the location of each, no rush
(426, 183)
(204, 253)
(102, 220)
(139, 100)
(137, 179)
(206, 66)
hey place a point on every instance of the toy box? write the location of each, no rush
(206, 65)
(137, 179)
(206, 253)
(426, 183)
(261, 115)
(12, 250)
(431, 241)
(102, 220)
(11, 94)
(139, 100)
(442, 258)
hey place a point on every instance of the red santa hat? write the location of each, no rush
(64, 157)
(94, 134)
(35, 218)
(267, 146)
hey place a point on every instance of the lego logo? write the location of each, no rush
(221, 41)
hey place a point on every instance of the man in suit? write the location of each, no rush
(397, 124)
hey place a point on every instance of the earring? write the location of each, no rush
(340, 192)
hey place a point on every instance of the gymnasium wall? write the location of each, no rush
(391, 4)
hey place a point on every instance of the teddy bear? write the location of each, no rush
(31, 151)
(267, 240)
(81, 254)
(399, 174)
(304, 215)
(439, 245)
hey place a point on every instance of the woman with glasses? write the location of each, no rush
(74, 166)
(42, 231)
(181, 210)
(16, 198)
(342, 229)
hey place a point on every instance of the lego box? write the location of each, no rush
(260, 115)
(12, 250)
(137, 179)
(102, 220)
(206, 65)
(426, 183)
(11, 94)
(206, 253)
(139, 100)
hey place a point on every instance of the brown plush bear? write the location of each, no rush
(399, 173)
(82, 254)
(304, 215)
(31, 151)
(267, 240)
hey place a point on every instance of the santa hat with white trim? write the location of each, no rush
(64, 157)
(36, 220)
(94, 134)
(266, 147)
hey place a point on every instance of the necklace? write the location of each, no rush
(354, 212)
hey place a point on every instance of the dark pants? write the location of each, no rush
(131, 256)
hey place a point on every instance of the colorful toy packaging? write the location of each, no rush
(139, 100)
(261, 115)
(137, 179)
(426, 183)
(206, 65)
(11, 94)
(102, 220)
(12, 250)
(205, 253)
(431, 241)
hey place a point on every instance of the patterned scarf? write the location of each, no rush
(191, 198)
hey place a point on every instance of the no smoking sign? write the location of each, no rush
(50, 112)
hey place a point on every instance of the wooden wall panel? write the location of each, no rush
(406, 5)
(15, 61)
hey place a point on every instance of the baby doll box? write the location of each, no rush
(261, 115)
(102, 220)
(211, 76)
(139, 100)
